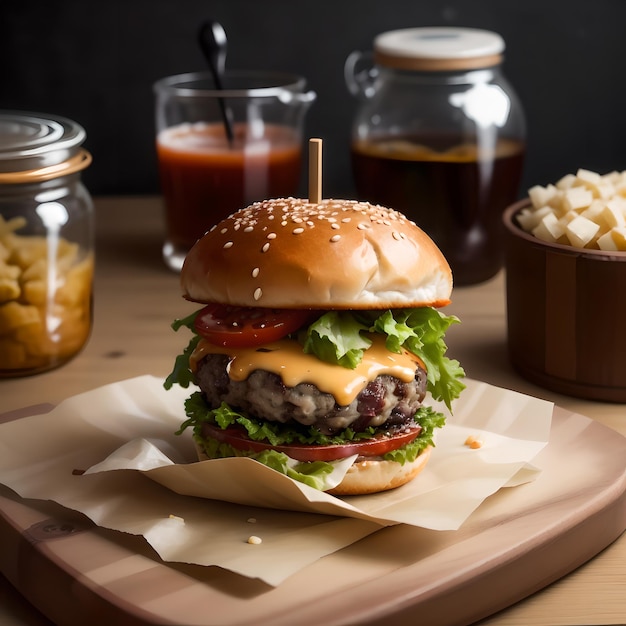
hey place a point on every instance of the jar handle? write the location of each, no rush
(360, 72)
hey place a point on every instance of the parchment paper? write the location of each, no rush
(140, 476)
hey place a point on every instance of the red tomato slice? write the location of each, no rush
(238, 326)
(238, 438)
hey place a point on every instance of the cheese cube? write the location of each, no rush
(528, 219)
(603, 190)
(613, 177)
(594, 211)
(569, 216)
(580, 231)
(566, 182)
(606, 242)
(577, 198)
(541, 196)
(587, 176)
(556, 202)
(614, 212)
(619, 237)
(549, 229)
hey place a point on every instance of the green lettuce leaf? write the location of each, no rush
(336, 338)
(341, 338)
(260, 430)
(313, 473)
(422, 331)
(429, 420)
(182, 374)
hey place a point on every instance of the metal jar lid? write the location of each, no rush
(34, 148)
(438, 49)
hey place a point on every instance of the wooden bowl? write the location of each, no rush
(566, 314)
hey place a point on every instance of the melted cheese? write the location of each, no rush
(286, 359)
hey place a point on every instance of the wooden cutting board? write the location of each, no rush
(517, 542)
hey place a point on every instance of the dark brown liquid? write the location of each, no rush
(456, 193)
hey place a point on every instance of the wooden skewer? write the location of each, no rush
(315, 171)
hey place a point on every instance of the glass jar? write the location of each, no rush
(439, 135)
(46, 243)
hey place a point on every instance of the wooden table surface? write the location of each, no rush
(136, 298)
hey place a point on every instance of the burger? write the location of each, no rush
(317, 342)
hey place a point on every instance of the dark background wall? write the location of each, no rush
(95, 62)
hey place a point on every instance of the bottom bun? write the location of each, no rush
(366, 477)
(373, 476)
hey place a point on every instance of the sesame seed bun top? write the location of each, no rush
(335, 254)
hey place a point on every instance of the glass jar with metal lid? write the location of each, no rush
(46, 243)
(439, 134)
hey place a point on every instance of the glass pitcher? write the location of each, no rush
(439, 135)
(220, 150)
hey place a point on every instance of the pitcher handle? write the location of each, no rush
(360, 74)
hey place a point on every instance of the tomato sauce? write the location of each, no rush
(203, 179)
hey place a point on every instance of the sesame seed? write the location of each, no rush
(255, 272)
(224, 230)
(248, 229)
(271, 236)
(363, 226)
(297, 231)
(266, 247)
(254, 540)
(345, 220)
(228, 244)
(335, 238)
(258, 292)
(396, 235)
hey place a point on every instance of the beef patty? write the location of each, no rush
(386, 401)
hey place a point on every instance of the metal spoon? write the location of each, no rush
(212, 40)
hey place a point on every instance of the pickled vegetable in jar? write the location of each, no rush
(46, 243)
